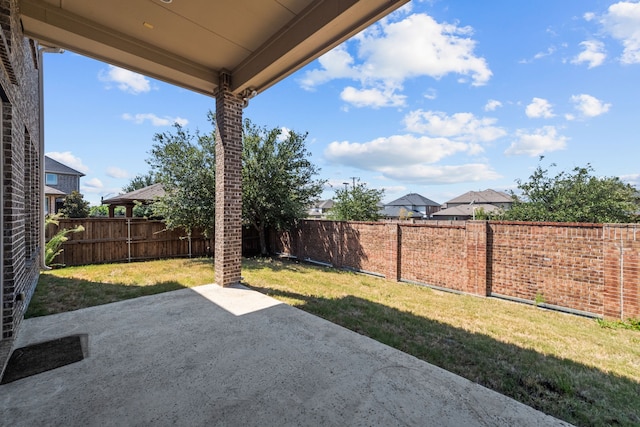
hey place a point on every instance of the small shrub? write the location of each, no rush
(53, 247)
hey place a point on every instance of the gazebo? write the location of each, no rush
(129, 200)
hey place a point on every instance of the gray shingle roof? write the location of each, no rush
(54, 166)
(466, 210)
(53, 191)
(146, 194)
(398, 211)
(486, 196)
(412, 199)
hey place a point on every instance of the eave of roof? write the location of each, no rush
(189, 43)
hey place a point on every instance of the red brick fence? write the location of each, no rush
(591, 269)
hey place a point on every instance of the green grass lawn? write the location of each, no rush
(566, 366)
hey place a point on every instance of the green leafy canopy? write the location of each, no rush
(575, 196)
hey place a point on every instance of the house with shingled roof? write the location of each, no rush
(60, 181)
(465, 206)
(411, 205)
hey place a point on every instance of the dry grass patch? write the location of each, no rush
(72, 288)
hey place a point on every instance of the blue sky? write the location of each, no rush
(439, 98)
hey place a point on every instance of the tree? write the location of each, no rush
(140, 181)
(185, 165)
(356, 204)
(277, 179)
(575, 196)
(75, 206)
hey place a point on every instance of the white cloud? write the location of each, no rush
(622, 22)
(396, 150)
(550, 51)
(593, 53)
(589, 16)
(459, 126)
(589, 106)
(93, 183)
(539, 108)
(154, 120)
(431, 94)
(633, 179)
(125, 80)
(375, 98)
(436, 174)
(492, 105)
(285, 132)
(389, 52)
(543, 140)
(335, 64)
(116, 172)
(68, 159)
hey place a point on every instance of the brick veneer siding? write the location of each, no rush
(228, 221)
(588, 268)
(20, 169)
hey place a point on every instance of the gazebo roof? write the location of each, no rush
(146, 194)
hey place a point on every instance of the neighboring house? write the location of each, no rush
(320, 209)
(142, 195)
(466, 206)
(60, 180)
(411, 205)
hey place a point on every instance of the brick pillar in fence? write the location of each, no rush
(621, 250)
(393, 252)
(228, 221)
(476, 249)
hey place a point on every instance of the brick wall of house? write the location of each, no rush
(20, 169)
(589, 268)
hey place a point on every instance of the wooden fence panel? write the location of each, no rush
(130, 239)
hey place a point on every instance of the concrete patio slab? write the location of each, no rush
(234, 357)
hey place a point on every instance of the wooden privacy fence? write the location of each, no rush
(132, 239)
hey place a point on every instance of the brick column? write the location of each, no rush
(228, 221)
(621, 250)
(476, 247)
(393, 252)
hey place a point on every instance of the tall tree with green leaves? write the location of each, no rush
(185, 165)
(278, 180)
(75, 206)
(357, 203)
(575, 196)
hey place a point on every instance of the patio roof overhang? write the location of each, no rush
(189, 42)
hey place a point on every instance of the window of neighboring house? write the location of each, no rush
(51, 179)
